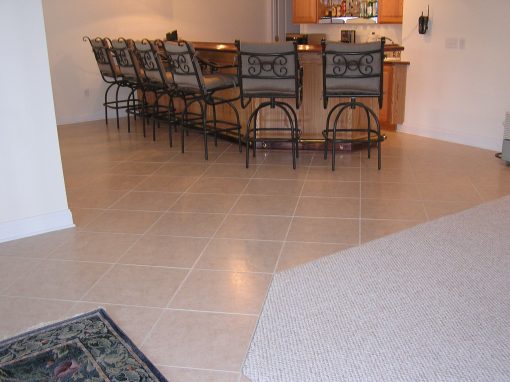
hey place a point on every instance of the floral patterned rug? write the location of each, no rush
(89, 347)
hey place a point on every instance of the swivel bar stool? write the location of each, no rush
(352, 71)
(270, 71)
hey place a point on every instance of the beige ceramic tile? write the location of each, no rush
(134, 222)
(436, 209)
(136, 322)
(219, 291)
(91, 246)
(200, 340)
(39, 246)
(208, 203)
(490, 192)
(175, 374)
(219, 186)
(18, 314)
(115, 182)
(294, 253)
(392, 209)
(265, 205)
(281, 172)
(407, 191)
(196, 156)
(152, 155)
(341, 174)
(328, 207)
(343, 159)
(85, 198)
(274, 187)
(187, 224)
(333, 189)
(12, 267)
(240, 255)
(58, 279)
(375, 229)
(183, 169)
(137, 285)
(166, 183)
(449, 191)
(146, 201)
(284, 157)
(136, 168)
(83, 216)
(235, 157)
(221, 170)
(324, 230)
(165, 251)
(254, 227)
(387, 175)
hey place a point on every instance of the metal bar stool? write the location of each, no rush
(197, 88)
(270, 71)
(353, 71)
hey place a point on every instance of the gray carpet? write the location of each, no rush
(431, 303)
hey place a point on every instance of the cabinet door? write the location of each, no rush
(304, 11)
(390, 11)
(385, 111)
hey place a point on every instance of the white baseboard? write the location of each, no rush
(481, 141)
(35, 225)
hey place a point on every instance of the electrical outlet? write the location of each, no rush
(462, 43)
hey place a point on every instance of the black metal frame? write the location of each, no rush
(352, 65)
(270, 66)
(204, 97)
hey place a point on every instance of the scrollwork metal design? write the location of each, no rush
(257, 64)
(345, 65)
(101, 56)
(149, 63)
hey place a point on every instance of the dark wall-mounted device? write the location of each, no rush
(423, 22)
(172, 36)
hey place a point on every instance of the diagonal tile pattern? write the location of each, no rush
(181, 251)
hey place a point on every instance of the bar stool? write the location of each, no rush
(354, 71)
(270, 71)
(197, 88)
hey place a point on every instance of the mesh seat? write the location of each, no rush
(271, 72)
(352, 71)
(197, 88)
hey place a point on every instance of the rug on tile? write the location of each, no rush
(431, 303)
(89, 347)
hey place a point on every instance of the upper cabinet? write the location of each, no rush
(305, 11)
(310, 11)
(390, 12)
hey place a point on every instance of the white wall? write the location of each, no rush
(73, 68)
(460, 95)
(32, 195)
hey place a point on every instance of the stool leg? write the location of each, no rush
(204, 125)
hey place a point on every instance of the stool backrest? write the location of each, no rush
(104, 58)
(148, 53)
(268, 70)
(352, 70)
(184, 65)
(129, 65)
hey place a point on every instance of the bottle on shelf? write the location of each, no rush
(343, 8)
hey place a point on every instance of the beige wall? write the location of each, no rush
(32, 192)
(73, 68)
(456, 94)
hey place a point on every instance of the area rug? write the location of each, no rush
(89, 347)
(431, 303)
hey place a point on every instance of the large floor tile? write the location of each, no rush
(328, 207)
(165, 251)
(38, 246)
(380, 190)
(86, 198)
(449, 191)
(392, 209)
(374, 229)
(324, 230)
(254, 227)
(166, 183)
(59, 279)
(183, 169)
(280, 172)
(221, 291)
(240, 255)
(295, 253)
(221, 170)
(92, 246)
(18, 314)
(266, 205)
(187, 224)
(274, 187)
(115, 182)
(341, 174)
(116, 221)
(137, 285)
(209, 203)
(219, 186)
(180, 374)
(331, 189)
(436, 209)
(12, 268)
(200, 340)
(136, 168)
(146, 201)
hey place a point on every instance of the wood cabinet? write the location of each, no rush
(305, 11)
(390, 11)
(308, 11)
(394, 95)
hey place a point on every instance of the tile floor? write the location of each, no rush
(181, 251)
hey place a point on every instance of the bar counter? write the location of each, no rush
(312, 115)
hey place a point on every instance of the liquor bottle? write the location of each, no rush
(370, 9)
(343, 8)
